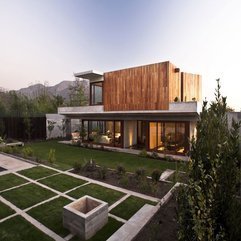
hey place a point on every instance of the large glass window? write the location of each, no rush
(168, 137)
(153, 135)
(118, 136)
(141, 134)
(104, 132)
(96, 93)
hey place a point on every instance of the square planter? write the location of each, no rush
(85, 216)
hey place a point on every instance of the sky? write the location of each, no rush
(46, 41)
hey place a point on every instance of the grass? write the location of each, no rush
(105, 232)
(10, 180)
(67, 155)
(5, 210)
(27, 196)
(130, 206)
(18, 229)
(62, 182)
(97, 191)
(50, 215)
(37, 172)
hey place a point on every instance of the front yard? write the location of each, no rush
(67, 155)
(39, 194)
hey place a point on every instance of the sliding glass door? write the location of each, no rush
(169, 137)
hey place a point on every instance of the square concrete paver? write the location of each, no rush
(12, 164)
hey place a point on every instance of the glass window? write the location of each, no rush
(141, 135)
(153, 135)
(118, 133)
(168, 137)
(181, 138)
(96, 93)
(160, 137)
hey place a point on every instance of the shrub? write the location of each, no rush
(15, 149)
(102, 171)
(124, 181)
(140, 173)
(51, 156)
(176, 99)
(90, 166)
(38, 160)
(143, 153)
(153, 189)
(77, 166)
(120, 170)
(7, 149)
(144, 186)
(154, 155)
(27, 152)
(155, 175)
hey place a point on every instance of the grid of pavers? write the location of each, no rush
(38, 195)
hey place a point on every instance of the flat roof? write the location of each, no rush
(90, 75)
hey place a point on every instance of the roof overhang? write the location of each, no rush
(91, 75)
(151, 116)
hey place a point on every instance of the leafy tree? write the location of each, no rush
(77, 94)
(208, 205)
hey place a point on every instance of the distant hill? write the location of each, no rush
(61, 89)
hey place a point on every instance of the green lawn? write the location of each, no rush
(62, 182)
(51, 215)
(37, 172)
(18, 229)
(130, 206)
(105, 232)
(67, 155)
(27, 195)
(10, 180)
(105, 194)
(5, 210)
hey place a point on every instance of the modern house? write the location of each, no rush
(153, 106)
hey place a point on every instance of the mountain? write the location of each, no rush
(61, 89)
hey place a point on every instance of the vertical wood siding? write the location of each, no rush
(192, 87)
(149, 87)
(140, 88)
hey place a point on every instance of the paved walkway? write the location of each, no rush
(12, 164)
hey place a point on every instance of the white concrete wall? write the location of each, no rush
(130, 133)
(190, 106)
(57, 120)
(81, 109)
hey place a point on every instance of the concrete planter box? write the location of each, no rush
(85, 216)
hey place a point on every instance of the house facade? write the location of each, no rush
(153, 106)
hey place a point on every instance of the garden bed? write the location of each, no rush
(130, 181)
(163, 225)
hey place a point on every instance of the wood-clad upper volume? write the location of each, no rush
(148, 87)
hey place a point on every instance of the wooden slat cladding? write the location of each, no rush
(192, 87)
(174, 83)
(140, 88)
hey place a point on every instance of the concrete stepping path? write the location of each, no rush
(20, 165)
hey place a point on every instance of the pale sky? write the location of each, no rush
(49, 40)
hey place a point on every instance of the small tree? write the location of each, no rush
(206, 205)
